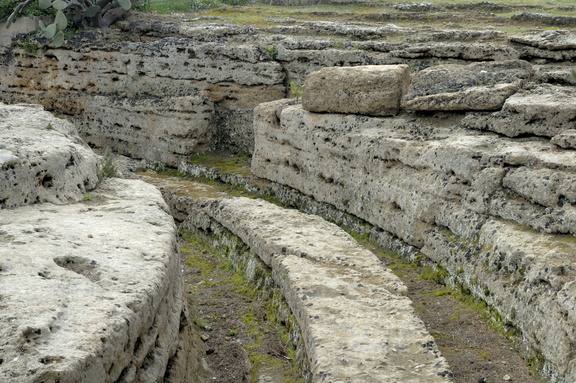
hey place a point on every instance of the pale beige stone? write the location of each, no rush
(373, 90)
(454, 87)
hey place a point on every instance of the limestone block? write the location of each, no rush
(552, 188)
(355, 324)
(545, 18)
(93, 292)
(373, 90)
(167, 130)
(479, 86)
(545, 110)
(565, 139)
(42, 158)
(471, 51)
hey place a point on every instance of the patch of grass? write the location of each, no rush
(441, 293)
(296, 90)
(224, 162)
(438, 274)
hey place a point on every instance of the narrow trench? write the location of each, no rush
(242, 346)
(235, 320)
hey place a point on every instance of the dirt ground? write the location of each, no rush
(242, 345)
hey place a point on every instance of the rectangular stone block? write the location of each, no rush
(374, 90)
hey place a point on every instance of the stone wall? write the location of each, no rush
(206, 77)
(475, 167)
(498, 213)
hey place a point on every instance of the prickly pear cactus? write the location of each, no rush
(78, 13)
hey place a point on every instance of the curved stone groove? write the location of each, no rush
(355, 323)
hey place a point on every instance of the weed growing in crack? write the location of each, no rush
(108, 169)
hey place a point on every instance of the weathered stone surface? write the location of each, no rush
(434, 186)
(544, 110)
(42, 158)
(65, 80)
(565, 139)
(20, 25)
(166, 130)
(356, 325)
(545, 18)
(373, 90)
(529, 277)
(480, 86)
(94, 292)
(479, 52)
(550, 40)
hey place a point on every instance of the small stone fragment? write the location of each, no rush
(507, 378)
(204, 337)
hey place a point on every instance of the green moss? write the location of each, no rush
(224, 162)
(265, 302)
(438, 274)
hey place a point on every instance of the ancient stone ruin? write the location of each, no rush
(455, 148)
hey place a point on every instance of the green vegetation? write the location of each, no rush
(272, 51)
(8, 6)
(222, 258)
(296, 90)
(66, 14)
(224, 162)
(108, 169)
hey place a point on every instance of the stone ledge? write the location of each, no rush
(93, 292)
(446, 190)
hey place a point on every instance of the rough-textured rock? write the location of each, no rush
(373, 90)
(235, 78)
(42, 158)
(480, 86)
(356, 325)
(545, 18)
(544, 110)
(435, 186)
(93, 292)
(20, 25)
(565, 139)
(166, 130)
(479, 52)
(551, 40)
(529, 277)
